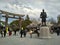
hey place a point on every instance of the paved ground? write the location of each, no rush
(16, 40)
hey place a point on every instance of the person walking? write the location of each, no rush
(1, 33)
(21, 32)
(10, 33)
(57, 31)
(25, 31)
(30, 33)
(4, 33)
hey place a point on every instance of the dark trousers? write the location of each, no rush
(21, 35)
(1, 34)
(57, 32)
(24, 34)
(4, 33)
(44, 21)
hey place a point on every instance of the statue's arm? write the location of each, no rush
(46, 14)
(41, 15)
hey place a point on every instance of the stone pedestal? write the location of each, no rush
(44, 32)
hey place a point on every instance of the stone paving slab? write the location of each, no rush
(16, 40)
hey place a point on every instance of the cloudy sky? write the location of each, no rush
(32, 7)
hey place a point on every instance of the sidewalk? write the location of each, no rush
(16, 40)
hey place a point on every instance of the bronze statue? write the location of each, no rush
(43, 16)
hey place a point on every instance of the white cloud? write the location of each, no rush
(24, 9)
(32, 7)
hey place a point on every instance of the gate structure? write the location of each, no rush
(11, 15)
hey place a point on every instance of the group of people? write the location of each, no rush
(56, 30)
(21, 32)
(4, 32)
(34, 31)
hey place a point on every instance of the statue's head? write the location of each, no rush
(43, 10)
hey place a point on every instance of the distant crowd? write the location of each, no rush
(55, 29)
(23, 31)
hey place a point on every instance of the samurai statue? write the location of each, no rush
(43, 16)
